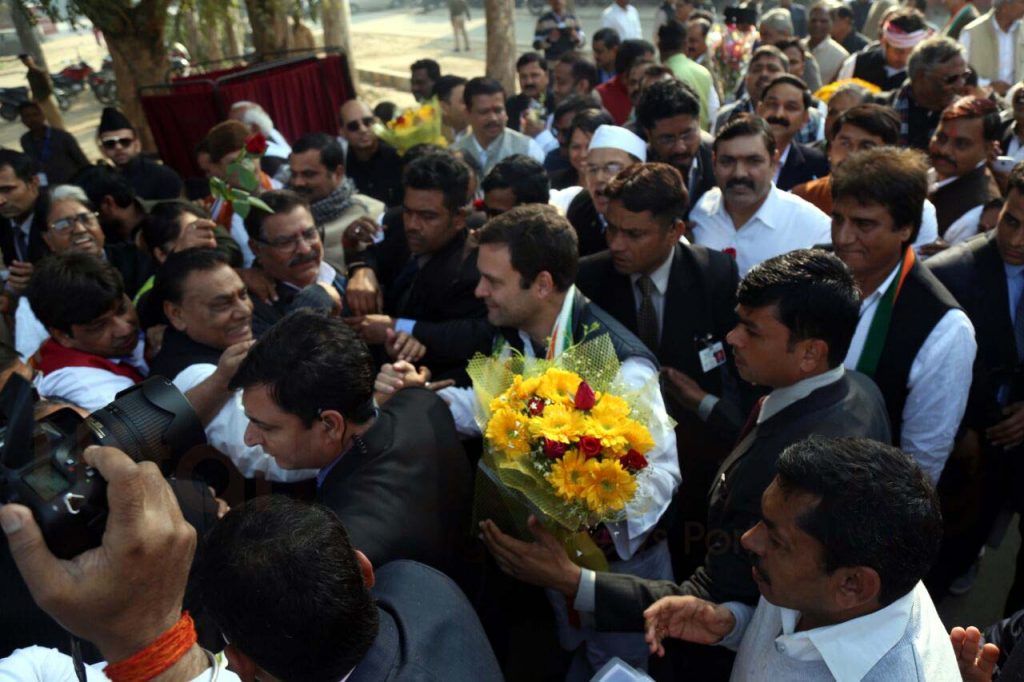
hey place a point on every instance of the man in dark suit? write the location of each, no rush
(669, 113)
(23, 209)
(397, 477)
(797, 313)
(986, 276)
(399, 621)
(784, 104)
(534, 93)
(691, 292)
(432, 288)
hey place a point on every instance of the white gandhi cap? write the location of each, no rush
(616, 137)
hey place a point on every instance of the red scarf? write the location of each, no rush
(53, 356)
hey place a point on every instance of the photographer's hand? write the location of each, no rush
(128, 591)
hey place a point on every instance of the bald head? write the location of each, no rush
(356, 119)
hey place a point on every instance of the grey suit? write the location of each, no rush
(851, 406)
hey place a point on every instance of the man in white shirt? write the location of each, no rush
(624, 18)
(848, 529)
(746, 215)
(994, 46)
(539, 312)
(491, 140)
(829, 54)
(912, 338)
(967, 137)
(95, 349)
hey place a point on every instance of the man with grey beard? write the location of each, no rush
(317, 165)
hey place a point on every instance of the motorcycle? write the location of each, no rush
(103, 83)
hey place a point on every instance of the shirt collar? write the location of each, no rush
(877, 293)
(939, 184)
(852, 648)
(493, 145)
(660, 276)
(321, 475)
(769, 209)
(783, 397)
(326, 275)
(570, 300)
(1013, 271)
(1001, 32)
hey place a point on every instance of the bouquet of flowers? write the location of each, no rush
(244, 186)
(731, 49)
(572, 449)
(417, 125)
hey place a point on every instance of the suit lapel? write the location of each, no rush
(793, 163)
(621, 301)
(995, 298)
(684, 310)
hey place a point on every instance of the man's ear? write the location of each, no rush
(242, 665)
(63, 338)
(544, 284)
(856, 587)
(174, 315)
(367, 569)
(333, 423)
(815, 352)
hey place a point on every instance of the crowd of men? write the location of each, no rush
(822, 300)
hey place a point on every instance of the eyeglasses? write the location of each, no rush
(671, 140)
(65, 224)
(114, 142)
(366, 122)
(308, 235)
(950, 80)
(612, 168)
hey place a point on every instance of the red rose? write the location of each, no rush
(584, 397)
(554, 449)
(590, 446)
(729, 251)
(634, 461)
(536, 407)
(257, 144)
(478, 204)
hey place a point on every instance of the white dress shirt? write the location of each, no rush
(92, 387)
(39, 664)
(654, 490)
(783, 223)
(534, 151)
(904, 635)
(1006, 39)
(226, 432)
(940, 378)
(625, 21)
(660, 280)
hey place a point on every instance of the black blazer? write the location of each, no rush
(36, 246)
(803, 163)
(403, 490)
(703, 176)
(587, 223)
(849, 407)
(973, 272)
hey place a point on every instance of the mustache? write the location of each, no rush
(740, 182)
(942, 157)
(303, 258)
(304, 191)
(777, 120)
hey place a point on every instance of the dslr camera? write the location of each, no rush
(41, 463)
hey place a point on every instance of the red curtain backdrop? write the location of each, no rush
(300, 96)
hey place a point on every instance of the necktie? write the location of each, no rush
(1018, 325)
(647, 316)
(751, 422)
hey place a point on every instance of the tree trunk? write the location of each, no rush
(336, 19)
(232, 43)
(27, 35)
(212, 36)
(190, 36)
(270, 30)
(501, 43)
(138, 60)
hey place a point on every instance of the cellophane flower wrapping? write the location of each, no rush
(563, 440)
(417, 125)
(731, 49)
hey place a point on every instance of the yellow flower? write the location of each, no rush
(559, 423)
(610, 408)
(508, 433)
(559, 386)
(637, 437)
(610, 486)
(569, 476)
(608, 429)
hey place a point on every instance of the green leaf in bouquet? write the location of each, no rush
(241, 207)
(256, 202)
(220, 189)
(246, 177)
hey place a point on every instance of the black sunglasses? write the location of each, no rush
(113, 142)
(353, 126)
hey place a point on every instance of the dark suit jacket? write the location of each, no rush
(36, 246)
(428, 630)
(851, 406)
(403, 490)
(804, 163)
(703, 176)
(587, 223)
(973, 272)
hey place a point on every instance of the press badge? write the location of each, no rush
(712, 354)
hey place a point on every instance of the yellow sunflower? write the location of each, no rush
(569, 476)
(610, 408)
(559, 386)
(508, 433)
(610, 487)
(608, 430)
(559, 423)
(637, 437)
